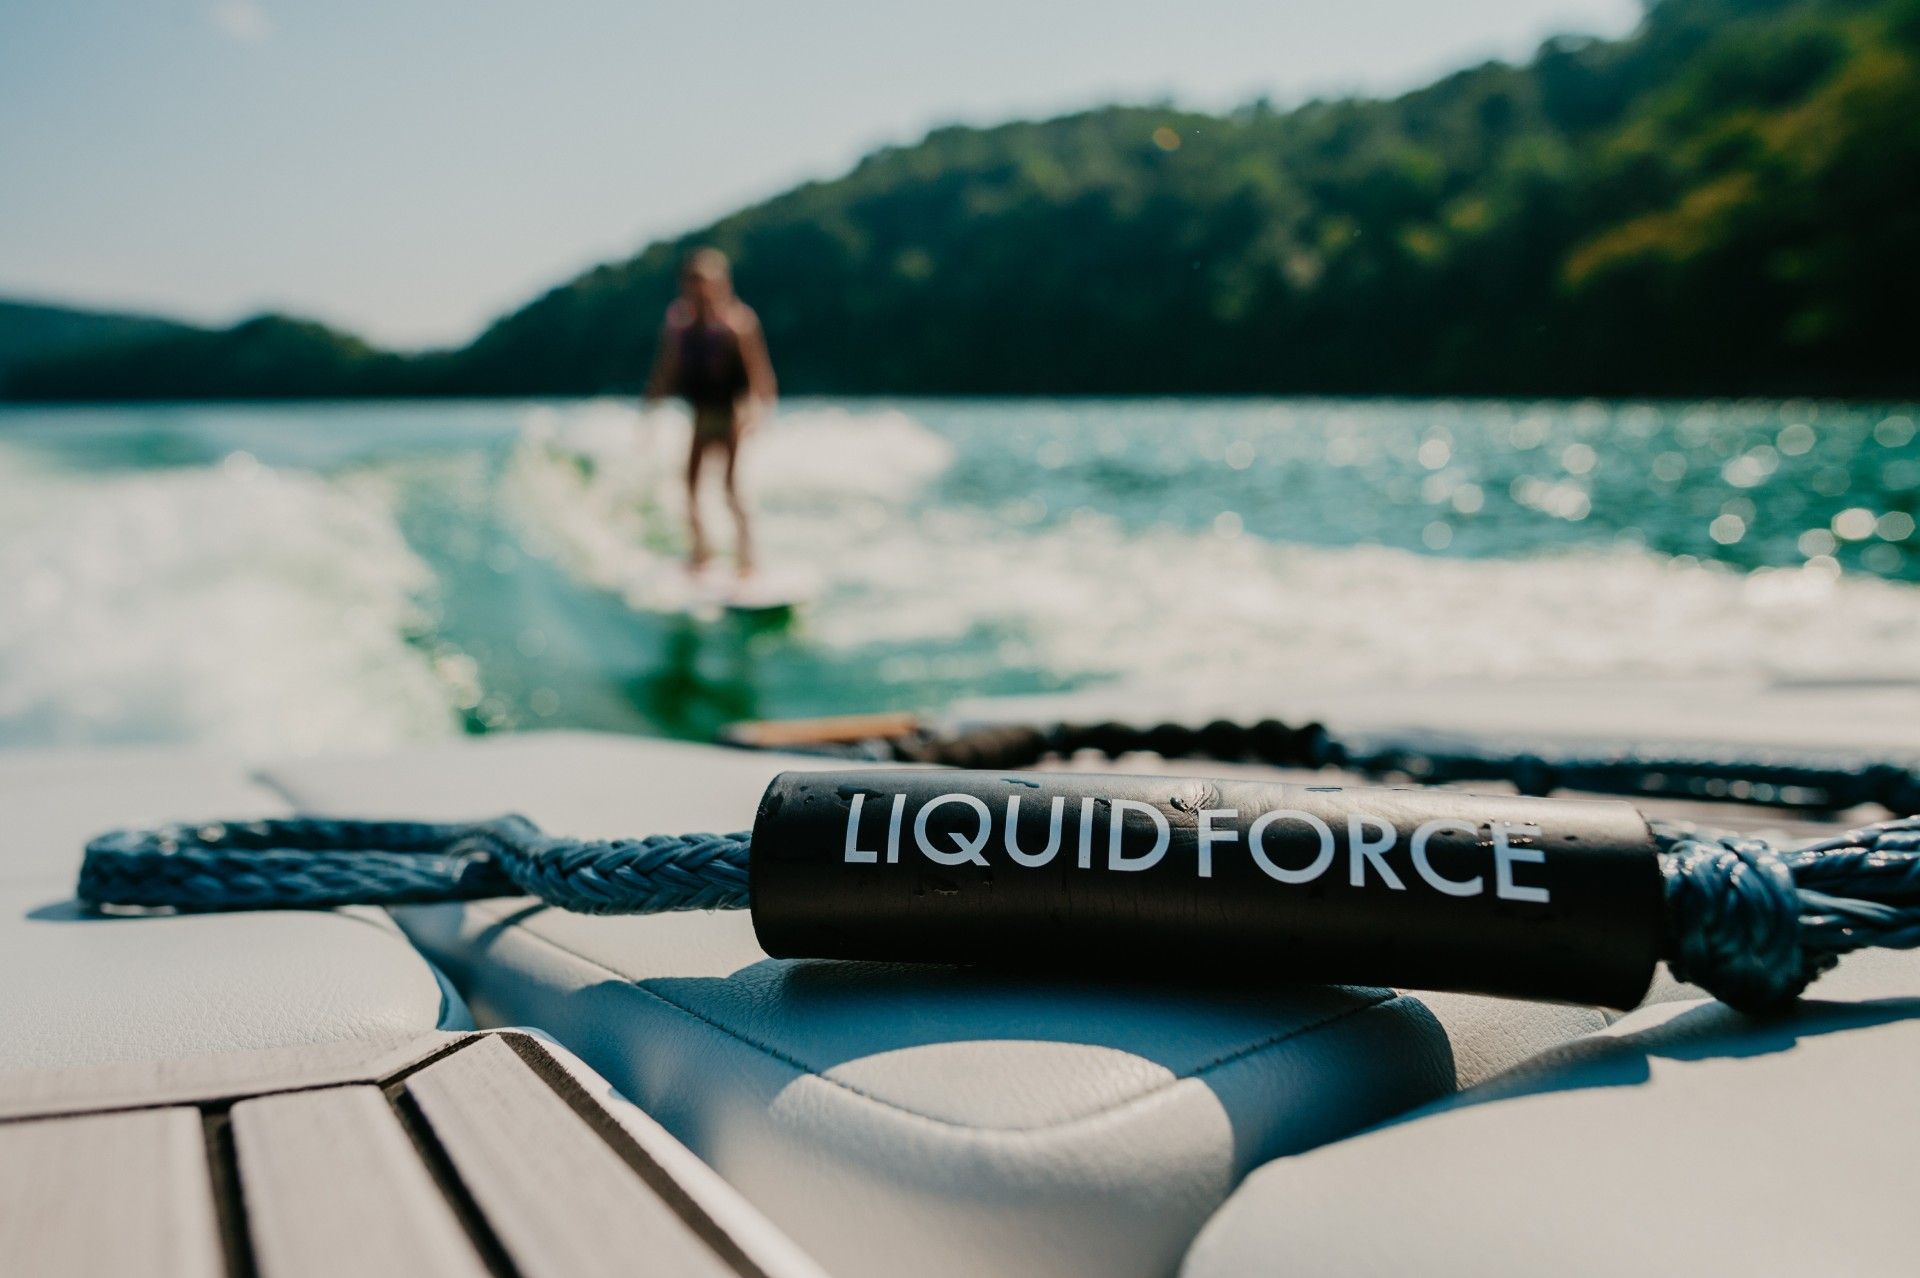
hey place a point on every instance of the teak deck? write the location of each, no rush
(438, 1155)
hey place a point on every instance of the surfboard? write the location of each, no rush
(766, 593)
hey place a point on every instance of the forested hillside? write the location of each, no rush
(1726, 202)
(267, 357)
(32, 331)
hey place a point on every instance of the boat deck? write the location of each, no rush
(863, 1118)
(435, 1155)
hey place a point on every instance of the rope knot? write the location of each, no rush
(1733, 921)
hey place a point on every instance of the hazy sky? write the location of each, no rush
(410, 168)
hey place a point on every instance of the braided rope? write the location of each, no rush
(1832, 780)
(1751, 925)
(318, 861)
(1754, 927)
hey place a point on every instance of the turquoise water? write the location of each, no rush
(352, 575)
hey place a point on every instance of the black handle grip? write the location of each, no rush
(1429, 889)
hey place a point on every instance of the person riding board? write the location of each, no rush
(714, 356)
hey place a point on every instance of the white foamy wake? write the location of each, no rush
(1177, 608)
(962, 593)
(237, 606)
(599, 488)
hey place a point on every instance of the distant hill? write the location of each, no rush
(1727, 201)
(267, 357)
(36, 330)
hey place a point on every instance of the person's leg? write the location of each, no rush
(697, 550)
(743, 535)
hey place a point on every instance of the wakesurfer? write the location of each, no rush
(713, 355)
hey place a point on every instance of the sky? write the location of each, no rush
(410, 169)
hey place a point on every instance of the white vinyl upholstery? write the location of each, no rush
(81, 990)
(933, 1121)
(1684, 1139)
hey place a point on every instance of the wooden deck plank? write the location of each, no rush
(215, 1077)
(108, 1195)
(558, 1197)
(332, 1185)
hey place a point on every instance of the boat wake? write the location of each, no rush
(239, 605)
(936, 591)
(380, 576)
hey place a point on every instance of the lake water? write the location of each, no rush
(285, 578)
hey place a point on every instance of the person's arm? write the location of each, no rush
(761, 387)
(666, 362)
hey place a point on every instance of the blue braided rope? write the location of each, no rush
(1754, 926)
(1751, 925)
(319, 861)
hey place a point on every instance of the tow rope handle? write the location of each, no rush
(1428, 889)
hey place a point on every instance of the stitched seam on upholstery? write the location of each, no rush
(795, 1063)
(1255, 1048)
